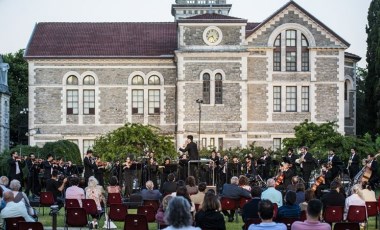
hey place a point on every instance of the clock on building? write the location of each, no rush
(212, 35)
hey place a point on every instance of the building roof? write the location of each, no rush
(305, 12)
(72, 40)
(352, 56)
(212, 18)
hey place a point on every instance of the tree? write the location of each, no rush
(362, 124)
(18, 86)
(372, 93)
(134, 139)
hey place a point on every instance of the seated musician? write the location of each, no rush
(325, 184)
(371, 170)
(249, 168)
(285, 177)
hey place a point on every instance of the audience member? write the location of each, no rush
(74, 191)
(334, 197)
(96, 192)
(15, 186)
(178, 215)
(209, 217)
(161, 210)
(169, 186)
(56, 187)
(182, 191)
(198, 198)
(4, 182)
(114, 186)
(293, 185)
(13, 209)
(191, 186)
(266, 215)
(309, 195)
(290, 209)
(367, 193)
(244, 183)
(150, 193)
(300, 193)
(314, 209)
(251, 209)
(272, 194)
(354, 199)
(233, 191)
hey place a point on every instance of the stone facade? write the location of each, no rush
(4, 106)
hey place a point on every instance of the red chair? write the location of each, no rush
(275, 210)
(230, 204)
(148, 211)
(76, 217)
(303, 215)
(90, 206)
(333, 214)
(154, 203)
(12, 223)
(30, 226)
(46, 200)
(250, 221)
(114, 198)
(117, 212)
(243, 201)
(135, 222)
(357, 214)
(347, 226)
(72, 203)
(372, 209)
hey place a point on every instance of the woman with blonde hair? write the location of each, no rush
(95, 192)
(354, 199)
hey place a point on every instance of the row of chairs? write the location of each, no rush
(18, 223)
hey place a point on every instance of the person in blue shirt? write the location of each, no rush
(290, 209)
(266, 214)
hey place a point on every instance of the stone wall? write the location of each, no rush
(326, 101)
(257, 68)
(257, 102)
(326, 69)
(194, 35)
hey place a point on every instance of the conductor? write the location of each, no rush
(192, 149)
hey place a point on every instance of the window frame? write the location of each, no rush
(152, 103)
(139, 101)
(305, 99)
(277, 54)
(291, 99)
(206, 88)
(277, 103)
(70, 108)
(218, 89)
(89, 102)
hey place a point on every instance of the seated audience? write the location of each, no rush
(13, 209)
(367, 193)
(150, 193)
(354, 199)
(178, 215)
(74, 191)
(314, 209)
(161, 210)
(182, 191)
(209, 217)
(309, 195)
(244, 183)
(293, 185)
(56, 187)
(300, 193)
(4, 182)
(272, 194)
(334, 197)
(96, 192)
(192, 188)
(198, 198)
(251, 209)
(266, 215)
(290, 209)
(114, 186)
(233, 191)
(169, 186)
(15, 186)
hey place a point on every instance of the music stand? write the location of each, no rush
(200, 161)
(136, 166)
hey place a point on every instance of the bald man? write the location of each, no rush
(13, 209)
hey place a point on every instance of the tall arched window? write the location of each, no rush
(218, 89)
(291, 50)
(137, 96)
(304, 53)
(154, 96)
(277, 54)
(206, 88)
(72, 96)
(89, 96)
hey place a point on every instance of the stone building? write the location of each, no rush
(4, 106)
(256, 81)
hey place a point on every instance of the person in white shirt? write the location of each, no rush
(13, 209)
(354, 199)
(367, 193)
(272, 194)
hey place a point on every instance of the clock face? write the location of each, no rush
(212, 35)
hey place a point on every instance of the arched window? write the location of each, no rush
(206, 88)
(218, 89)
(277, 54)
(72, 80)
(304, 53)
(88, 80)
(154, 80)
(291, 50)
(137, 80)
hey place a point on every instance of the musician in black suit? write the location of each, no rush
(353, 163)
(307, 163)
(192, 150)
(267, 164)
(372, 165)
(335, 163)
(89, 165)
(16, 163)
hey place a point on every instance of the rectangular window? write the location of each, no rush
(291, 99)
(154, 101)
(276, 98)
(276, 61)
(212, 142)
(276, 144)
(220, 143)
(72, 102)
(291, 38)
(305, 99)
(137, 101)
(204, 142)
(206, 91)
(305, 61)
(218, 92)
(89, 102)
(291, 61)
(87, 145)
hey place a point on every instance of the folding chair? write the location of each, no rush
(148, 211)
(76, 217)
(12, 223)
(333, 214)
(46, 200)
(30, 226)
(135, 222)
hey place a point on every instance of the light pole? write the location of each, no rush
(200, 102)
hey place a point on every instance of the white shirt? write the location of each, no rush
(354, 199)
(273, 195)
(13, 209)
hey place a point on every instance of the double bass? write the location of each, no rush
(366, 171)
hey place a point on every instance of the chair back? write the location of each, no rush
(275, 210)
(135, 200)
(372, 209)
(76, 217)
(154, 203)
(135, 222)
(288, 221)
(243, 201)
(117, 212)
(250, 221)
(357, 213)
(114, 198)
(12, 223)
(30, 226)
(333, 214)
(148, 211)
(90, 206)
(346, 226)
(72, 203)
(303, 215)
(46, 199)
(229, 204)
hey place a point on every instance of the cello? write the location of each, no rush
(367, 171)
